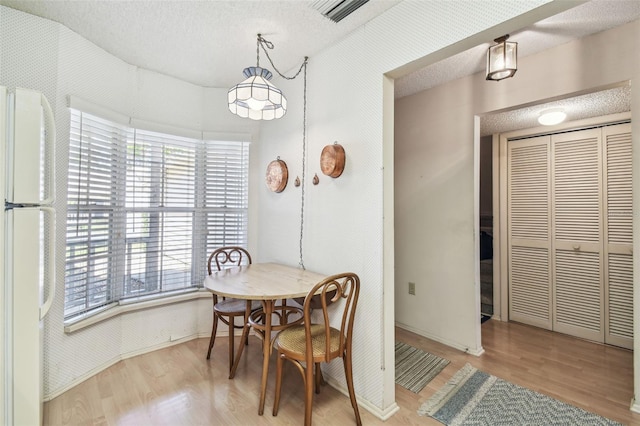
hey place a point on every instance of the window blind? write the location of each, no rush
(145, 209)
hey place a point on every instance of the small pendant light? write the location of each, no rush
(502, 59)
(257, 98)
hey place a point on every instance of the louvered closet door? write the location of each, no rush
(529, 231)
(577, 234)
(618, 236)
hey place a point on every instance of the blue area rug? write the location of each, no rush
(473, 397)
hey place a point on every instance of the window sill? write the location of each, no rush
(126, 306)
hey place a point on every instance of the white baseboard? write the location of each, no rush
(635, 406)
(382, 414)
(456, 345)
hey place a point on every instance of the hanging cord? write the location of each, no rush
(266, 44)
(304, 156)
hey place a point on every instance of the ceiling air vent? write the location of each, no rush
(337, 10)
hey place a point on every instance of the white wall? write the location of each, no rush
(350, 101)
(435, 244)
(435, 235)
(344, 220)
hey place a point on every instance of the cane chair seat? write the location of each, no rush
(291, 341)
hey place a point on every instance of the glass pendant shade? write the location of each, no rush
(256, 98)
(502, 59)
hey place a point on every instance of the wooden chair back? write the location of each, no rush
(341, 292)
(226, 257)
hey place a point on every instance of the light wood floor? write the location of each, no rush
(178, 386)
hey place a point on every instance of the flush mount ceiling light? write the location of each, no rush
(256, 97)
(553, 116)
(502, 59)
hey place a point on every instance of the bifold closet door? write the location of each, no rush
(529, 231)
(577, 234)
(618, 246)
(570, 214)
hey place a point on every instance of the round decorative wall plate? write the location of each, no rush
(277, 175)
(332, 160)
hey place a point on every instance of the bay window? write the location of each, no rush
(144, 209)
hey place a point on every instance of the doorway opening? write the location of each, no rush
(585, 105)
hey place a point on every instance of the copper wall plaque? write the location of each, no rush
(277, 175)
(332, 160)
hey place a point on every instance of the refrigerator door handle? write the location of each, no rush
(50, 282)
(50, 145)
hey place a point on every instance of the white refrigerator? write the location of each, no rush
(27, 249)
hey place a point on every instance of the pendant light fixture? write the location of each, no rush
(502, 59)
(256, 97)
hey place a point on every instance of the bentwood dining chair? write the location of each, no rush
(227, 309)
(311, 343)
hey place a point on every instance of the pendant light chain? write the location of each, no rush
(258, 50)
(304, 156)
(265, 44)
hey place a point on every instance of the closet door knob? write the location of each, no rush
(576, 247)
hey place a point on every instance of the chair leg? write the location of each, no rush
(276, 400)
(244, 338)
(308, 395)
(231, 342)
(245, 326)
(348, 373)
(213, 334)
(319, 378)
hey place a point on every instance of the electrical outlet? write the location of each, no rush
(412, 288)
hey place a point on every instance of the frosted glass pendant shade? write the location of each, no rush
(256, 98)
(502, 59)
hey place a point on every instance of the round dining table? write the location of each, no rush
(268, 283)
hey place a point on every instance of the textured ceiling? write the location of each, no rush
(605, 102)
(588, 18)
(209, 43)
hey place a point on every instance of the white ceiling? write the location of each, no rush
(588, 18)
(209, 43)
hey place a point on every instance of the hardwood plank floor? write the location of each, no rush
(178, 386)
